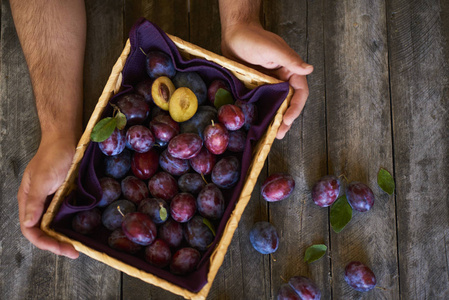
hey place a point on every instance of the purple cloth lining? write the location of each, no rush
(148, 36)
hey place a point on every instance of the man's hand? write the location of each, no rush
(42, 177)
(252, 44)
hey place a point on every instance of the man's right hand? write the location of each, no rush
(42, 177)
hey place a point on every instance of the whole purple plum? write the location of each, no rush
(237, 141)
(171, 232)
(231, 116)
(326, 190)
(250, 112)
(145, 165)
(139, 228)
(185, 145)
(118, 240)
(360, 196)
(305, 288)
(139, 138)
(143, 88)
(184, 261)
(194, 82)
(286, 292)
(114, 144)
(226, 172)
(210, 202)
(359, 276)
(164, 128)
(158, 254)
(163, 185)
(197, 234)
(118, 166)
(159, 64)
(134, 189)
(277, 187)
(156, 208)
(174, 166)
(216, 138)
(203, 162)
(86, 221)
(182, 207)
(264, 237)
(191, 183)
(111, 191)
(134, 107)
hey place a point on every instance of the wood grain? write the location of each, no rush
(302, 153)
(359, 139)
(419, 55)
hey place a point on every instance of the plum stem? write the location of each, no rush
(202, 176)
(344, 178)
(381, 288)
(272, 258)
(213, 123)
(143, 51)
(120, 211)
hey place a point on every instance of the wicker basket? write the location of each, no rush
(251, 79)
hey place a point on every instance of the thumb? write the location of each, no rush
(38, 191)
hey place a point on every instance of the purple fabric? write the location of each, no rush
(149, 37)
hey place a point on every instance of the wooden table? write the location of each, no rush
(379, 97)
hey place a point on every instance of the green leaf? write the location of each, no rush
(341, 214)
(385, 181)
(314, 253)
(222, 97)
(209, 224)
(103, 129)
(121, 120)
(163, 213)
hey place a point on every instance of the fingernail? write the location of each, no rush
(28, 220)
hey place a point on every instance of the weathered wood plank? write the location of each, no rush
(205, 28)
(302, 153)
(359, 139)
(419, 72)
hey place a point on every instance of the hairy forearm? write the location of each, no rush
(234, 12)
(52, 34)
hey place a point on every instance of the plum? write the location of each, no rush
(134, 107)
(359, 276)
(159, 64)
(277, 187)
(231, 116)
(210, 202)
(164, 128)
(214, 87)
(204, 162)
(185, 145)
(216, 138)
(161, 91)
(182, 105)
(139, 228)
(158, 254)
(360, 196)
(226, 172)
(145, 165)
(143, 88)
(197, 234)
(111, 191)
(237, 141)
(118, 240)
(156, 208)
(114, 144)
(86, 221)
(182, 207)
(163, 185)
(134, 189)
(174, 166)
(305, 288)
(118, 166)
(191, 183)
(264, 238)
(286, 292)
(203, 117)
(184, 261)
(171, 232)
(326, 190)
(194, 82)
(249, 111)
(112, 218)
(139, 138)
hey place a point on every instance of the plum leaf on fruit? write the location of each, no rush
(121, 120)
(385, 181)
(340, 214)
(314, 253)
(163, 213)
(209, 225)
(103, 129)
(223, 97)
